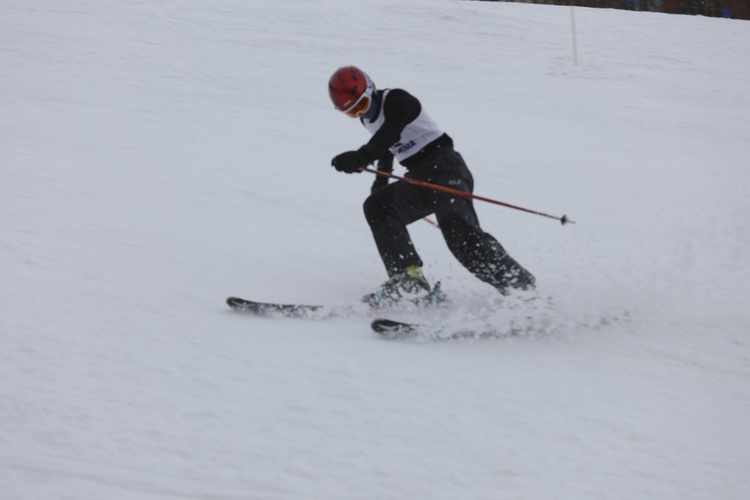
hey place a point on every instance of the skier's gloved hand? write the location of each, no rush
(350, 162)
(380, 183)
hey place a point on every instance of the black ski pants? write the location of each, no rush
(390, 209)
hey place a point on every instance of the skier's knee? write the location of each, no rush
(375, 210)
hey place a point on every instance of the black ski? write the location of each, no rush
(272, 309)
(391, 329)
(309, 311)
(388, 325)
(397, 330)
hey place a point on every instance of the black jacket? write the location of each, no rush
(401, 108)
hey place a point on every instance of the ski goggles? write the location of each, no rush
(360, 106)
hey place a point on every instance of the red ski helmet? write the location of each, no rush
(351, 90)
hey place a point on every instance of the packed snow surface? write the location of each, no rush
(159, 156)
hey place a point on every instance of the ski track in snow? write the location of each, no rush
(158, 157)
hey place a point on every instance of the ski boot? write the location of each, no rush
(409, 284)
(520, 291)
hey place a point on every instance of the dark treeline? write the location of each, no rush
(734, 9)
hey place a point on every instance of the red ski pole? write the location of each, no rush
(563, 220)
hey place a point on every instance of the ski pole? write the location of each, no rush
(563, 220)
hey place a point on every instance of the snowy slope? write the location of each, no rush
(159, 156)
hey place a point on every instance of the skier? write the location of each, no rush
(400, 127)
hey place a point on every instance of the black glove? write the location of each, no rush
(349, 162)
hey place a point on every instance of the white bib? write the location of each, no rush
(415, 136)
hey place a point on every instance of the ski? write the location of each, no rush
(398, 330)
(310, 311)
(273, 309)
(391, 329)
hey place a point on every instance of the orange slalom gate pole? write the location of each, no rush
(563, 220)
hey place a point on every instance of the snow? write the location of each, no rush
(160, 156)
